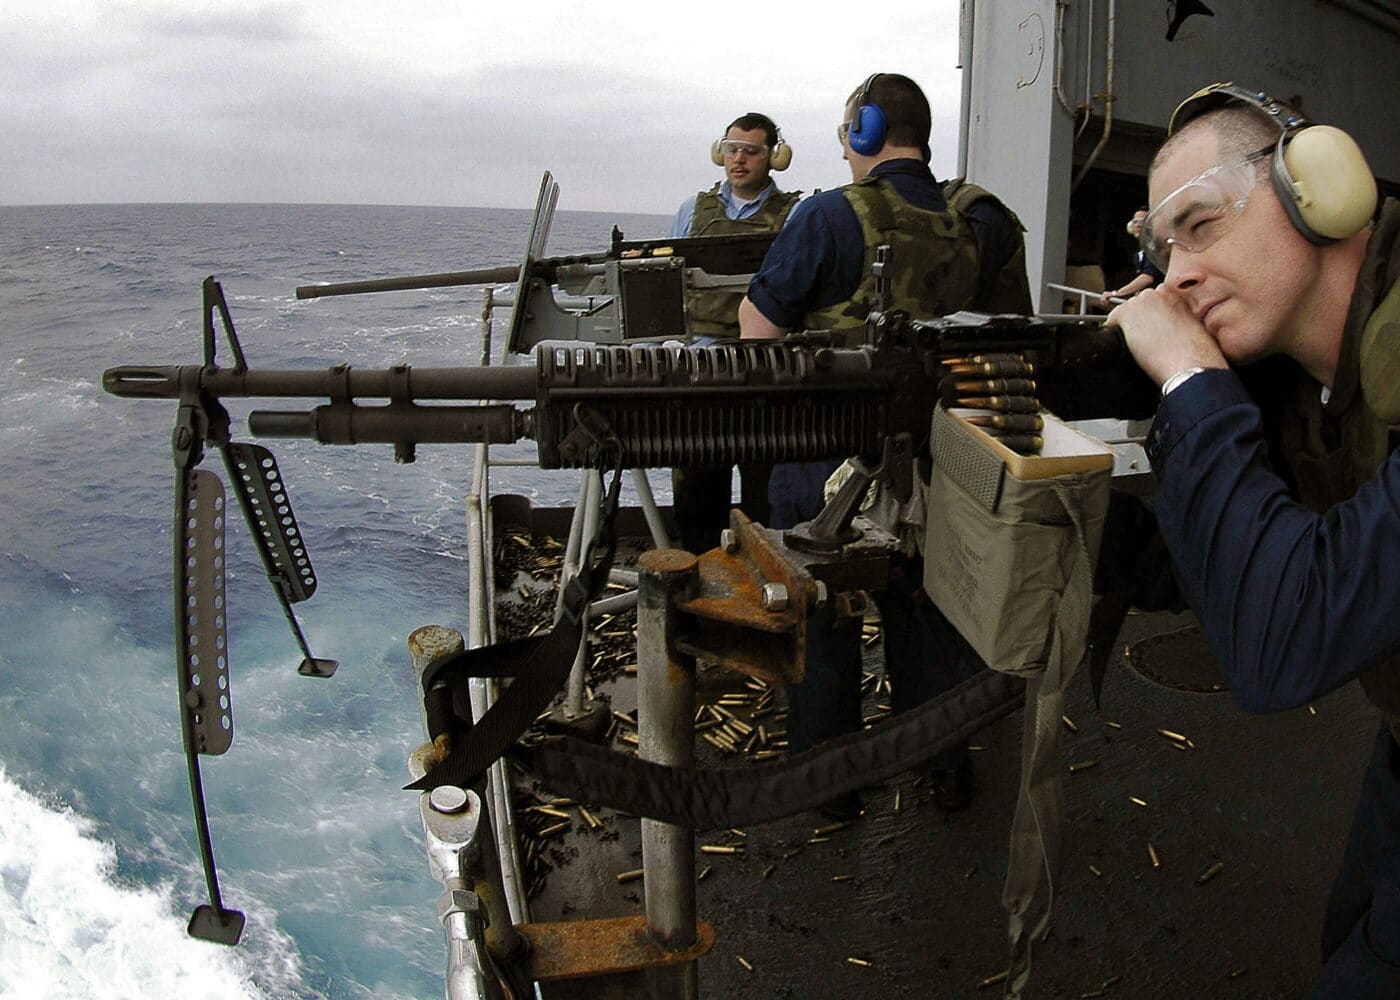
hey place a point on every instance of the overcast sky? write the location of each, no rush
(442, 103)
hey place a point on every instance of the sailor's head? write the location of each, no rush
(750, 149)
(885, 118)
(1252, 209)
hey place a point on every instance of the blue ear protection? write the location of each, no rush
(866, 134)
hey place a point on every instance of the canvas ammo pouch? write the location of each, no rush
(1009, 551)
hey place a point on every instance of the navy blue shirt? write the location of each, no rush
(1293, 603)
(818, 259)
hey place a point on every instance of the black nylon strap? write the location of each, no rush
(718, 798)
(539, 665)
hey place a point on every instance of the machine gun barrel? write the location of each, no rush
(658, 406)
(444, 279)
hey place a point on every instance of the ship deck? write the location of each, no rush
(1246, 816)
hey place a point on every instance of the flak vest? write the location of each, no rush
(714, 312)
(934, 261)
(1332, 449)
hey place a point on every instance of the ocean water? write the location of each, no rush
(314, 839)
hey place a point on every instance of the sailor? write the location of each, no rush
(818, 276)
(1275, 337)
(746, 201)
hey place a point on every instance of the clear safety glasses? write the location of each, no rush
(733, 147)
(1201, 211)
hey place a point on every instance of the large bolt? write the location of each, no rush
(448, 799)
(775, 597)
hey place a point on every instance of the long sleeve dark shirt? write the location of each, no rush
(1294, 603)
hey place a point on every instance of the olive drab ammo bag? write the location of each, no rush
(1009, 550)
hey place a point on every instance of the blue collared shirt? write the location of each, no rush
(734, 208)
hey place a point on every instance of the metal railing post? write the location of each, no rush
(665, 710)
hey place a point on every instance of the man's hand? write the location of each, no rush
(1164, 336)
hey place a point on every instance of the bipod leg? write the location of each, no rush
(665, 712)
(201, 657)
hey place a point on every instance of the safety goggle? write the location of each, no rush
(733, 147)
(1201, 211)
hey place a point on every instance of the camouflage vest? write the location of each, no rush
(1332, 449)
(1001, 289)
(933, 255)
(714, 312)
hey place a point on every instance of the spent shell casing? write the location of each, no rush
(1210, 873)
(1082, 765)
(631, 876)
(1095, 872)
(721, 848)
(1069, 723)
(858, 961)
(1153, 855)
(1004, 404)
(1137, 801)
(1021, 422)
(745, 962)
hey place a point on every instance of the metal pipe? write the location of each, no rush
(1107, 97)
(967, 21)
(592, 506)
(659, 536)
(1070, 110)
(665, 709)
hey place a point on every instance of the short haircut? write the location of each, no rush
(1238, 129)
(908, 120)
(751, 120)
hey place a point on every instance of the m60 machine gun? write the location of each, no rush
(606, 407)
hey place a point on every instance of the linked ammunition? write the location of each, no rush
(1007, 369)
(1019, 422)
(984, 359)
(997, 386)
(1004, 404)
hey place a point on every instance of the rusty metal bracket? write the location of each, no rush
(578, 949)
(755, 597)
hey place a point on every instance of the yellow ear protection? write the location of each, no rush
(779, 157)
(1318, 172)
(866, 134)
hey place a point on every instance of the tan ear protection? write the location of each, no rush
(779, 157)
(1318, 171)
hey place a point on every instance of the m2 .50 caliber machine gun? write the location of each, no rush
(600, 407)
